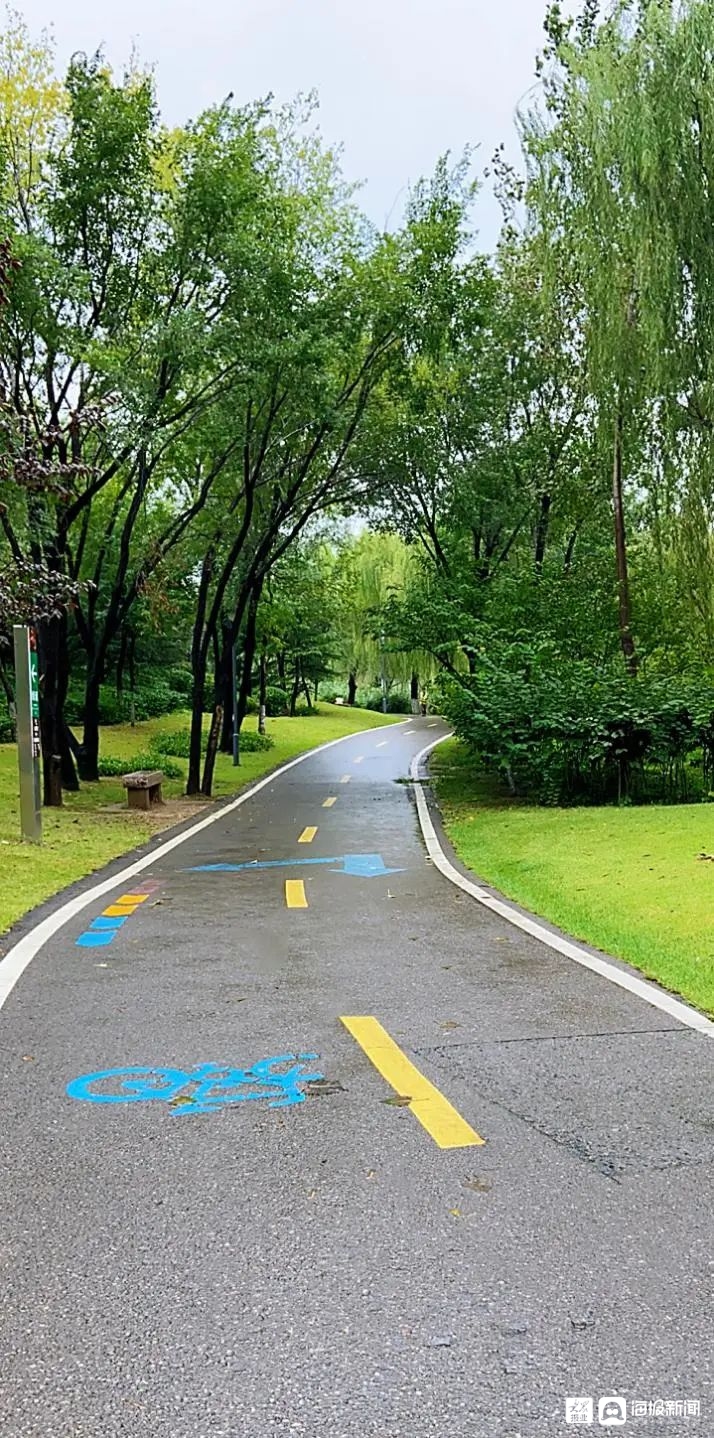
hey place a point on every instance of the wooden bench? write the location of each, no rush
(144, 788)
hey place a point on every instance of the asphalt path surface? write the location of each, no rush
(245, 1251)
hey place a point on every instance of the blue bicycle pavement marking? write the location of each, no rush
(207, 1088)
(362, 866)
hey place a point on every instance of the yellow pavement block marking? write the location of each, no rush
(308, 835)
(434, 1112)
(329, 802)
(295, 896)
(132, 899)
(345, 778)
(115, 910)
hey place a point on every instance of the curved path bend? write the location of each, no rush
(489, 1190)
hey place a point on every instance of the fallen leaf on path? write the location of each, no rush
(479, 1185)
(450, 1024)
(456, 1213)
(398, 1100)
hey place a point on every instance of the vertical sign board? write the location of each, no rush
(27, 700)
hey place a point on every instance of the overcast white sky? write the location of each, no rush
(399, 81)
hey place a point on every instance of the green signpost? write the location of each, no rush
(29, 745)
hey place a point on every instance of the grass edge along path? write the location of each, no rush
(629, 881)
(94, 826)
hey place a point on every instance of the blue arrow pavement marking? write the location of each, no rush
(365, 866)
(362, 866)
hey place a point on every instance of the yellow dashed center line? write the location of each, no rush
(432, 726)
(329, 802)
(295, 896)
(308, 835)
(383, 744)
(407, 732)
(434, 1112)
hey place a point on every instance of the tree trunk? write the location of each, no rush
(88, 750)
(249, 646)
(414, 692)
(280, 661)
(57, 764)
(262, 693)
(198, 694)
(121, 659)
(7, 688)
(295, 689)
(131, 659)
(351, 687)
(211, 751)
(224, 687)
(541, 533)
(623, 587)
(305, 687)
(199, 655)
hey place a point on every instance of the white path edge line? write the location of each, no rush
(16, 960)
(640, 987)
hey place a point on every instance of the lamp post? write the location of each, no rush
(234, 687)
(29, 745)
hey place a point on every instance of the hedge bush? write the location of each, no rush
(397, 701)
(276, 701)
(579, 734)
(111, 768)
(150, 702)
(178, 743)
(251, 741)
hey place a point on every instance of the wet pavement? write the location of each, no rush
(220, 1219)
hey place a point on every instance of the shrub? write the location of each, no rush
(397, 701)
(111, 768)
(176, 743)
(577, 734)
(251, 741)
(276, 701)
(150, 702)
(7, 729)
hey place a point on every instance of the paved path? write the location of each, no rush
(195, 1265)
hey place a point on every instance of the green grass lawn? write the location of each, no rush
(87, 832)
(628, 880)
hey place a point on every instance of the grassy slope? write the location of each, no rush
(84, 835)
(627, 880)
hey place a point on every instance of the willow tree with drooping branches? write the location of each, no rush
(621, 177)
